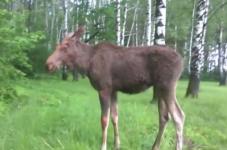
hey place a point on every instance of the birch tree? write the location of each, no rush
(160, 25)
(125, 10)
(191, 36)
(222, 53)
(65, 31)
(221, 58)
(197, 47)
(118, 21)
(149, 23)
(133, 24)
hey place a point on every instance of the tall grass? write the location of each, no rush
(65, 115)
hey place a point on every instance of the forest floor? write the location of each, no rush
(65, 115)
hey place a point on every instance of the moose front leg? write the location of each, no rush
(114, 116)
(104, 97)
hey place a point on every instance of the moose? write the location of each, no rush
(112, 68)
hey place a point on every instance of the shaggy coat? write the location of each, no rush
(111, 68)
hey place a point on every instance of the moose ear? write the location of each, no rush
(77, 34)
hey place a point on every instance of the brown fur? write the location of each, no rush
(112, 68)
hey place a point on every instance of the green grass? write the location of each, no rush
(58, 115)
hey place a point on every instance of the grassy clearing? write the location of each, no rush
(56, 115)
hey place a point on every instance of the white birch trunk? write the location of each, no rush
(198, 47)
(77, 14)
(118, 22)
(136, 30)
(191, 36)
(133, 23)
(222, 59)
(199, 36)
(160, 25)
(46, 17)
(53, 7)
(175, 43)
(225, 59)
(149, 22)
(204, 34)
(65, 31)
(65, 17)
(124, 24)
(220, 56)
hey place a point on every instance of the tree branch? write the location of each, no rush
(92, 36)
(214, 11)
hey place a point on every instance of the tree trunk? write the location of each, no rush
(46, 18)
(175, 42)
(65, 31)
(191, 36)
(197, 47)
(133, 23)
(160, 29)
(149, 22)
(29, 20)
(222, 64)
(65, 9)
(124, 24)
(225, 65)
(221, 58)
(193, 86)
(160, 25)
(51, 41)
(118, 22)
(136, 31)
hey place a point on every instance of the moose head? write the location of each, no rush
(67, 52)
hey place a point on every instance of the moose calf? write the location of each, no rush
(111, 68)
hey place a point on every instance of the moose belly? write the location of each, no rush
(132, 84)
(130, 74)
(134, 88)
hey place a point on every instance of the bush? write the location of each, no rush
(16, 43)
(8, 94)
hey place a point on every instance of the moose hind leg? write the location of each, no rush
(163, 119)
(178, 118)
(104, 97)
(114, 116)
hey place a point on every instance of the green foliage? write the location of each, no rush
(106, 28)
(217, 13)
(15, 43)
(65, 115)
(179, 17)
(7, 94)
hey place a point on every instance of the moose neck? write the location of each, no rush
(83, 58)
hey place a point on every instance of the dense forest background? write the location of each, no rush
(42, 112)
(30, 29)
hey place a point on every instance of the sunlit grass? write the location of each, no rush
(58, 115)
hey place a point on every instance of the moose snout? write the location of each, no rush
(50, 66)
